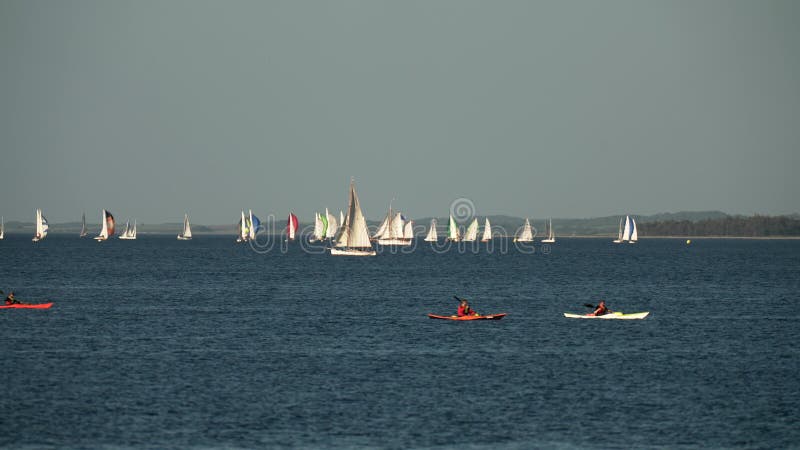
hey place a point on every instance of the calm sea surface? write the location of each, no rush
(158, 343)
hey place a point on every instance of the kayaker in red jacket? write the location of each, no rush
(602, 309)
(10, 300)
(464, 309)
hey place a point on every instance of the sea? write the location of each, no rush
(160, 343)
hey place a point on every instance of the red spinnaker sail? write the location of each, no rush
(291, 225)
(110, 222)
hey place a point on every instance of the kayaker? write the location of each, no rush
(602, 309)
(464, 309)
(10, 300)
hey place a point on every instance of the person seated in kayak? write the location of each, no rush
(602, 309)
(10, 300)
(464, 309)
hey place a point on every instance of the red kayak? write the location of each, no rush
(486, 317)
(27, 306)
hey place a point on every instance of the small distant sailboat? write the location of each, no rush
(353, 238)
(320, 227)
(527, 233)
(244, 230)
(432, 235)
(629, 233)
(619, 235)
(634, 233)
(2, 228)
(332, 226)
(291, 226)
(187, 230)
(108, 227)
(452, 230)
(84, 232)
(472, 231)
(129, 233)
(487, 231)
(248, 227)
(551, 237)
(392, 230)
(41, 227)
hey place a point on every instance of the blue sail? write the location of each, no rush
(256, 225)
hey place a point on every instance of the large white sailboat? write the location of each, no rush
(471, 235)
(527, 233)
(551, 237)
(353, 237)
(41, 227)
(107, 229)
(130, 232)
(487, 231)
(452, 230)
(392, 230)
(84, 232)
(432, 235)
(187, 230)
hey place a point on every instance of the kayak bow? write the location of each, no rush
(27, 306)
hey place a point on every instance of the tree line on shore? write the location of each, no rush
(733, 226)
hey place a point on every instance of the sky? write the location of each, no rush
(571, 109)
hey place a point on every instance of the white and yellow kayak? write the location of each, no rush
(613, 315)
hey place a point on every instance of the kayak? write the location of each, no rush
(613, 315)
(486, 317)
(27, 306)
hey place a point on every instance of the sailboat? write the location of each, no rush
(472, 231)
(452, 228)
(255, 225)
(108, 227)
(41, 227)
(129, 233)
(319, 228)
(353, 237)
(291, 226)
(619, 235)
(187, 230)
(244, 229)
(392, 230)
(332, 227)
(432, 235)
(634, 233)
(487, 231)
(408, 231)
(2, 228)
(551, 237)
(83, 225)
(527, 233)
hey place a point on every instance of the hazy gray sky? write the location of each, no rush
(530, 108)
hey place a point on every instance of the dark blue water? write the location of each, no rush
(161, 343)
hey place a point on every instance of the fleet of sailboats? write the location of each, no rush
(130, 232)
(527, 233)
(107, 225)
(353, 238)
(41, 227)
(186, 234)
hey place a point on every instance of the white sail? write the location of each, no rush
(126, 233)
(104, 230)
(619, 234)
(472, 231)
(187, 230)
(341, 218)
(626, 234)
(83, 225)
(551, 237)
(432, 235)
(487, 231)
(333, 227)
(634, 232)
(392, 230)
(383, 226)
(2, 228)
(41, 226)
(453, 233)
(408, 230)
(397, 226)
(252, 225)
(354, 236)
(243, 233)
(527, 233)
(317, 228)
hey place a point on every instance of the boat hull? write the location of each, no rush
(183, 238)
(351, 252)
(548, 241)
(468, 318)
(401, 242)
(611, 316)
(27, 306)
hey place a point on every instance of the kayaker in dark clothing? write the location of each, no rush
(10, 300)
(464, 309)
(602, 309)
